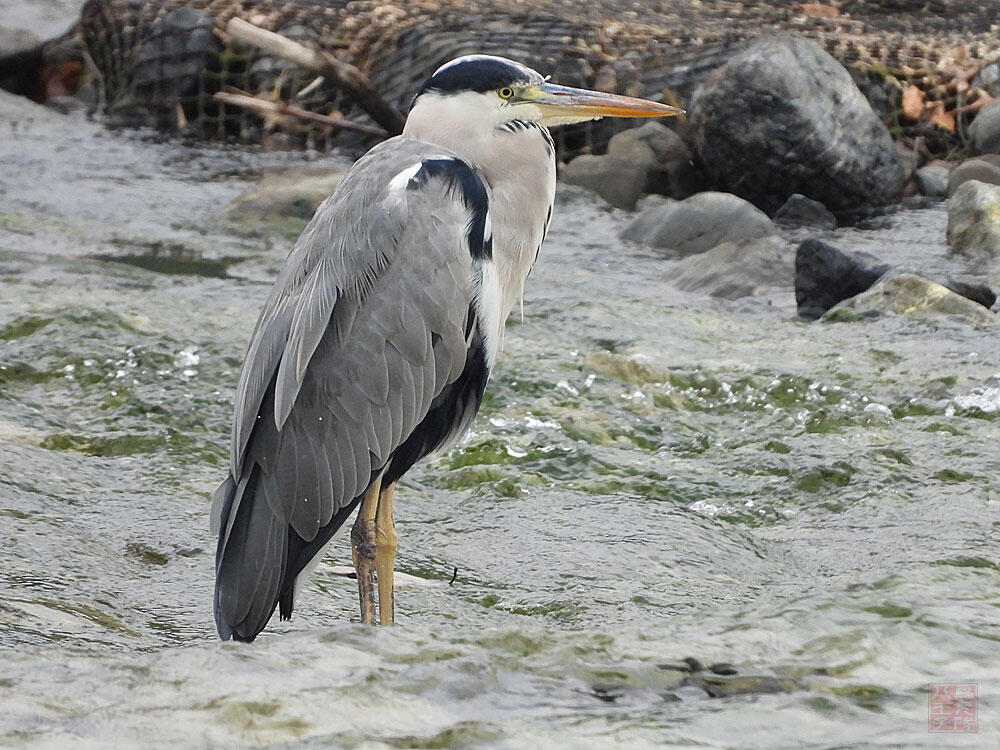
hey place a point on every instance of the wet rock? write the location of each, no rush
(687, 664)
(296, 194)
(933, 180)
(647, 159)
(988, 78)
(985, 129)
(825, 275)
(984, 168)
(723, 668)
(737, 269)
(974, 289)
(722, 680)
(20, 59)
(909, 294)
(673, 173)
(618, 181)
(974, 220)
(799, 211)
(698, 223)
(725, 687)
(784, 117)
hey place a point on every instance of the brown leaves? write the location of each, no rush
(913, 102)
(953, 93)
(936, 113)
(816, 10)
(916, 107)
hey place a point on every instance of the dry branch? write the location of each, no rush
(344, 74)
(269, 109)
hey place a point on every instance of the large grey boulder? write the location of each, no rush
(784, 117)
(737, 269)
(974, 220)
(648, 159)
(698, 223)
(909, 294)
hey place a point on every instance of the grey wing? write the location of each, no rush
(367, 331)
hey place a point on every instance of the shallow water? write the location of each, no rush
(653, 476)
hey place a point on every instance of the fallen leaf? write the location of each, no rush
(816, 9)
(913, 102)
(936, 114)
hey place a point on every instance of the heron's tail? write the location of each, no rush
(250, 559)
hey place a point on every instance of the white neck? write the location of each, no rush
(519, 168)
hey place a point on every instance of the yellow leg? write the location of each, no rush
(363, 551)
(385, 554)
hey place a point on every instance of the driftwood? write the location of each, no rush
(270, 108)
(347, 76)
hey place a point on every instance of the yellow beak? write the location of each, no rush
(562, 104)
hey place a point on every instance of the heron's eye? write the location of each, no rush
(506, 92)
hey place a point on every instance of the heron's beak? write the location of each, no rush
(561, 104)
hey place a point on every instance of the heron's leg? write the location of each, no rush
(385, 554)
(363, 551)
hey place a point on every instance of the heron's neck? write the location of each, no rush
(518, 162)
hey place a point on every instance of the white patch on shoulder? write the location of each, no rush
(400, 181)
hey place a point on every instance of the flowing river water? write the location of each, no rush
(809, 510)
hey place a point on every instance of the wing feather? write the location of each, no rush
(308, 326)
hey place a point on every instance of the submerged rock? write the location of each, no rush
(295, 194)
(647, 159)
(909, 294)
(826, 275)
(698, 223)
(723, 680)
(784, 117)
(974, 220)
(736, 269)
(799, 211)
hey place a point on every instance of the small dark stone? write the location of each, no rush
(605, 693)
(694, 664)
(825, 275)
(799, 211)
(723, 668)
(973, 289)
(722, 687)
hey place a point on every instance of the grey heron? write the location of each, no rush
(376, 342)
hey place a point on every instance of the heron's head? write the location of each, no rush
(486, 91)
